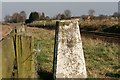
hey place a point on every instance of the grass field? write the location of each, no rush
(106, 26)
(101, 57)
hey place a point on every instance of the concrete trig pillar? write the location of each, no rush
(69, 59)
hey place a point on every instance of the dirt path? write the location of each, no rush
(6, 29)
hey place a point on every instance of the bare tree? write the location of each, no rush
(15, 17)
(91, 12)
(62, 16)
(42, 16)
(67, 13)
(58, 16)
(23, 16)
(7, 18)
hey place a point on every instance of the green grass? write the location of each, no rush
(101, 57)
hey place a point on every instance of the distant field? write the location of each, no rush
(107, 26)
(101, 57)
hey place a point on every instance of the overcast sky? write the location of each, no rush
(53, 8)
(59, 0)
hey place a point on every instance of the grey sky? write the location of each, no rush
(59, 0)
(0, 11)
(53, 8)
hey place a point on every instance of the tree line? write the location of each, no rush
(16, 17)
(36, 16)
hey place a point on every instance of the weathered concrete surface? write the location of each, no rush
(70, 58)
